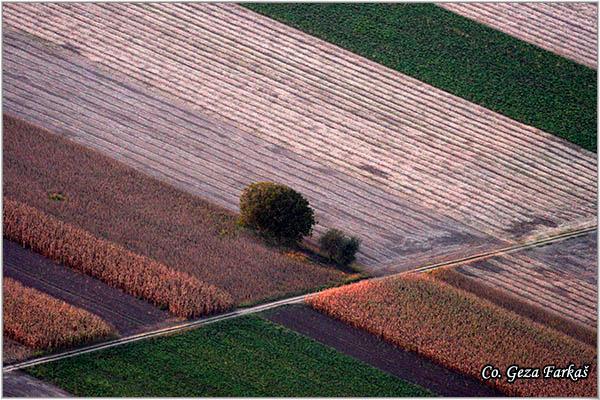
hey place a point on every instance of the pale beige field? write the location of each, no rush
(213, 97)
(560, 277)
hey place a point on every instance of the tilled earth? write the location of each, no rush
(561, 277)
(19, 384)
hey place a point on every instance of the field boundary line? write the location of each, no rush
(291, 300)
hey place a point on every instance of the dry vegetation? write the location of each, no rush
(43, 322)
(117, 203)
(182, 294)
(459, 330)
(517, 305)
(297, 110)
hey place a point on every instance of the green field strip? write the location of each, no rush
(248, 356)
(460, 56)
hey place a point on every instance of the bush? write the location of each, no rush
(276, 211)
(339, 247)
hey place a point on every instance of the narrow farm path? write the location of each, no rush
(256, 309)
(567, 29)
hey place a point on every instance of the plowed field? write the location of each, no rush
(212, 97)
(561, 277)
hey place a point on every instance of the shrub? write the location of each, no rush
(180, 293)
(339, 247)
(43, 322)
(276, 211)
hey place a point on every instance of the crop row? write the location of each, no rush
(517, 304)
(460, 331)
(147, 217)
(313, 116)
(182, 294)
(43, 322)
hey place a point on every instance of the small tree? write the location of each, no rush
(338, 247)
(276, 211)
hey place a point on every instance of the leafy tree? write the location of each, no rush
(276, 211)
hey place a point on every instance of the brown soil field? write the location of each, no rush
(567, 29)
(460, 331)
(517, 304)
(213, 97)
(119, 204)
(126, 313)
(369, 348)
(561, 278)
(42, 322)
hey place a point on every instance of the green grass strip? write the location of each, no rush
(247, 356)
(460, 56)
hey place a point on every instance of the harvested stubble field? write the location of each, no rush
(418, 174)
(460, 331)
(460, 56)
(561, 277)
(149, 218)
(42, 322)
(183, 295)
(518, 304)
(246, 356)
(568, 29)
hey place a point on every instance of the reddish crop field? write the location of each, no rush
(114, 202)
(517, 305)
(460, 331)
(42, 322)
(182, 294)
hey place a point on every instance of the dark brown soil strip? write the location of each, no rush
(126, 313)
(370, 349)
(19, 384)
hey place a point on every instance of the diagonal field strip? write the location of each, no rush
(263, 307)
(418, 174)
(566, 29)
